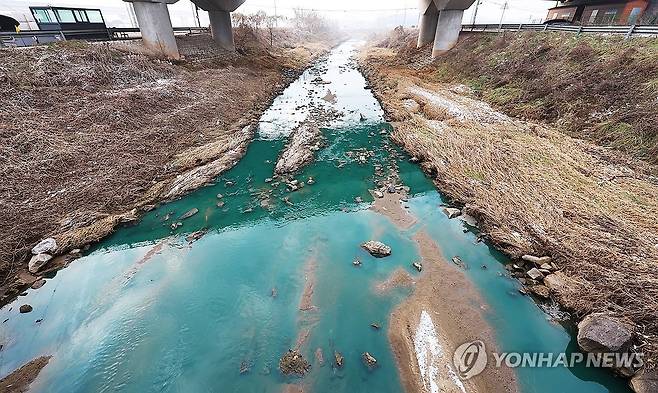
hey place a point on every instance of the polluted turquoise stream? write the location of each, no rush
(148, 311)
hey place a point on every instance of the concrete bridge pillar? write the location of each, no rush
(427, 25)
(441, 22)
(155, 26)
(447, 31)
(220, 19)
(222, 30)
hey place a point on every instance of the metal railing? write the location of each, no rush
(628, 31)
(36, 37)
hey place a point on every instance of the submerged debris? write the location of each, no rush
(245, 367)
(293, 363)
(459, 262)
(189, 214)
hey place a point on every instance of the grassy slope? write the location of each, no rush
(603, 89)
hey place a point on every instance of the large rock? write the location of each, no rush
(535, 274)
(37, 262)
(304, 141)
(645, 382)
(452, 212)
(377, 249)
(48, 245)
(601, 332)
(565, 289)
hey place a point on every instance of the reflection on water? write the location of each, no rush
(149, 311)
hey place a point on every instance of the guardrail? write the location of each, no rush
(628, 31)
(36, 37)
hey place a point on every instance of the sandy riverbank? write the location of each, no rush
(444, 311)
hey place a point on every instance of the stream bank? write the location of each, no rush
(259, 269)
(536, 193)
(91, 147)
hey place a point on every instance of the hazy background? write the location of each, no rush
(345, 13)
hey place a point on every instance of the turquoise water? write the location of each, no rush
(147, 311)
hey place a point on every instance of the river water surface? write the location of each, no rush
(148, 311)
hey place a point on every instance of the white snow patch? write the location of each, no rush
(455, 379)
(428, 349)
(430, 355)
(459, 106)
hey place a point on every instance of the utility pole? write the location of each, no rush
(475, 13)
(502, 16)
(276, 16)
(196, 14)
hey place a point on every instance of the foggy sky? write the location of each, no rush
(362, 13)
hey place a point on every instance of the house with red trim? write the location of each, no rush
(604, 12)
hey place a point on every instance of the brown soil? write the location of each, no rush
(92, 131)
(534, 189)
(398, 279)
(19, 381)
(456, 309)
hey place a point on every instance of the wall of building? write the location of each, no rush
(567, 13)
(612, 13)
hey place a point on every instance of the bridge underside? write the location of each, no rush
(440, 22)
(157, 31)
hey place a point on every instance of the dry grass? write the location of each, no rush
(600, 88)
(538, 191)
(87, 130)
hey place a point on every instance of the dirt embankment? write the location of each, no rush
(534, 189)
(94, 134)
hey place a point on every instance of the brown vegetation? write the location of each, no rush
(535, 190)
(603, 89)
(91, 131)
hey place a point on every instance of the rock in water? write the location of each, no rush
(369, 360)
(194, 236)
(377, 249)
(293, 363)
(452, 212)
(459, 262)
(300, 150)
(601, 332)
(25, 308)
(340, 360)
(38, 284)
(189, 214)
(37, 262)
(48, 245)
